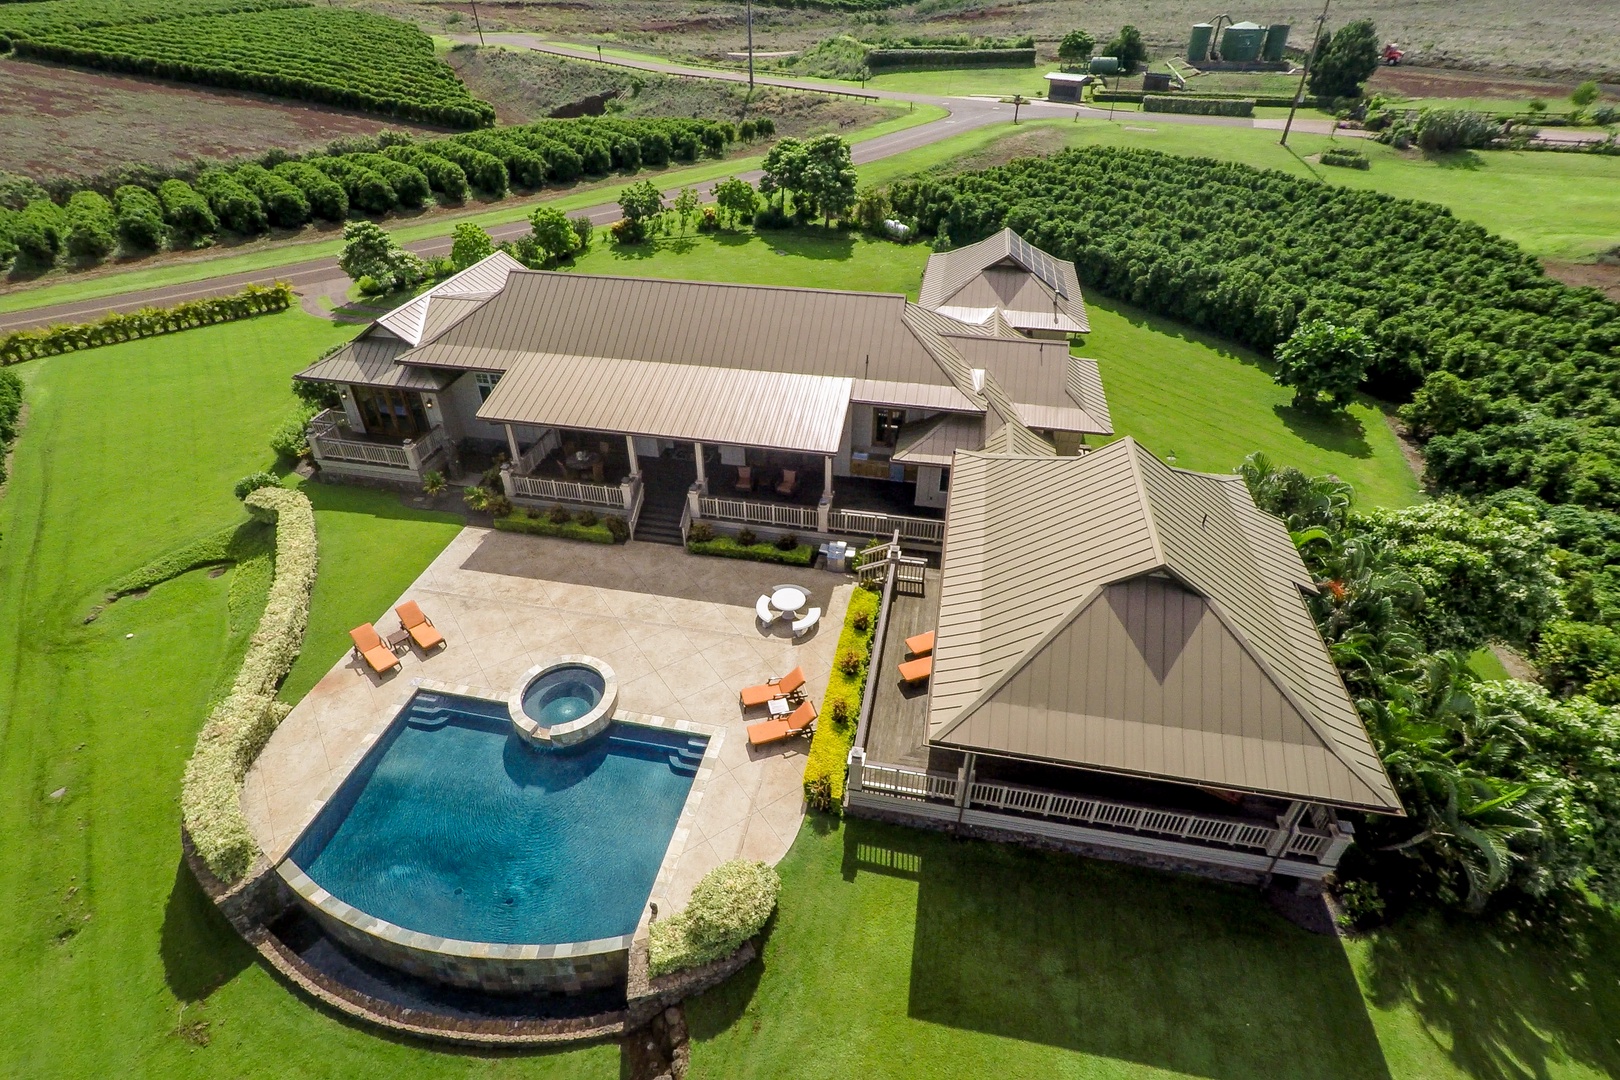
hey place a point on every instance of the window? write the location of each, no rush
(944, 480)
(486, 381)
(886, 426)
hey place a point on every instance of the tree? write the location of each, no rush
(828, 183)
(783, 170)
(1585, 94)
(368, 252)
(1076, 46)
(1324, 363)
(641, 200)
(685, 206)
(470, 245)
(736, 198)
(583, 230)
(1346, 61)
(1129, 49)
(553, 234)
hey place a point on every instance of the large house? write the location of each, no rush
(813, 410)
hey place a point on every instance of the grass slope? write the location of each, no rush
(112, 963)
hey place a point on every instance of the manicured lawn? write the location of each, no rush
(109, 955)
(1026, 79)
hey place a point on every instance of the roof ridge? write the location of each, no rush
(757, 287)
(1132, 452)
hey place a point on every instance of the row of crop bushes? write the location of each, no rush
(33, 18)
(115, 326)
(389, 173)
(10, 414)
(1198, 106)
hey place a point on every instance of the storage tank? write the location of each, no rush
(1198, 44)
(1241, 42)
(1105, 65)
(1276, 42)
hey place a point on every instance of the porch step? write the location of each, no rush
(660, 524)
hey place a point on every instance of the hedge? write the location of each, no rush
(138, 217)
(829, 745)
(893, 59)
(239, 726)
(729, 905)
(1345, 157)
(284, 203)
(237, 208)
(89, 226)
(1270, 101)
(727, 547)
(520, 522)
(1198, 106)
(11, 399)
(327, 199)
(116, 327)
(185, 210)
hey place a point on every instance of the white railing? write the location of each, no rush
(756, 512)
(539, 487)
(328, 445)
(534, 455)
(908, 783)
(872, 523)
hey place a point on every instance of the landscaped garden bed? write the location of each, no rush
(787, 550)
(841, 705)
(568, 524)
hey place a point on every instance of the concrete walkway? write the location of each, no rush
(680, 644)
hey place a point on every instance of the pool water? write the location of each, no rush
(455, 826)
(562, 695)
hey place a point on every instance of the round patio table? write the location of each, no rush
(788, 598)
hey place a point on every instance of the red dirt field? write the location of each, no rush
(65, 121)
(1436, 83)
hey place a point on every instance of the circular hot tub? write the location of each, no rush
(565, 701)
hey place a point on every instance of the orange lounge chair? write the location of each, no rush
(797, 722)
(917, 670)
(369, 646)
(786, 686)
(921, 644)
(419, 626)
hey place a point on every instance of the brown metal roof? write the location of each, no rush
(1053, 389)
(673, 401)
(933, 441)
(1111, 612)
(371, 360)
(419, 318)
(1007, 272)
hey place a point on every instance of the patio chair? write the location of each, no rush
(800, 721)
(789, 484)
(787, 686)
(920, 644)
(802, 626)
(368, 645)
(419, 626)
(764, 612)
(745, 478)
(913, 671)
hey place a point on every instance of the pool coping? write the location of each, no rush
(323, 901)
(597, 718)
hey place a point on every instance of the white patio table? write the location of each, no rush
(788, 598)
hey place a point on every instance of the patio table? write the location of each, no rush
(778, 706)
(788, 598)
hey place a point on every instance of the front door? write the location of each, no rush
(387, 411)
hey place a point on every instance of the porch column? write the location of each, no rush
(1287, 825)
(511, 442)
(635, 462)
(826, 476)
(702, 480)
(964, 786)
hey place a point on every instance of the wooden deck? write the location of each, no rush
(899, 728)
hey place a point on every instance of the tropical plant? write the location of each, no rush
(470, 244)
(736, 199)
(433, 483)
(368, 251)
(1324, 363)
(553, 234)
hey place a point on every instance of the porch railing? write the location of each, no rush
(873, 523)
(757, 512)
(570, 491)
(327, 444)
(549, 440)
(906, 783)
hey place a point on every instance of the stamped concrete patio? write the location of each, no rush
(678, 629)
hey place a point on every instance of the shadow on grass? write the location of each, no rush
(1162, 970)
(1338, 431)
(647, 249)
(372, 502)
(1462, 160)
(201, 952)
(812, 242)
(1509, 1004)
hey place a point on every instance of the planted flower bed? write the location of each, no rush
(702, 540)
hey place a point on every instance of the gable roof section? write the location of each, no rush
(372, 360)
(1006, 271)
(1053, 389)
(422, 316)
(933, 441)
(1111, 612)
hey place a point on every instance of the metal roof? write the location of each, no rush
(1007, 271)
(1110, 612)
(372, 361)
(421, 317)
(1053, 389)
(933, 441)
(673, 401)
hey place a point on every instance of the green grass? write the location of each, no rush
(1023, 79)
(902, 953)
(107, 946)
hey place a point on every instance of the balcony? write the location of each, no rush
(341, 450)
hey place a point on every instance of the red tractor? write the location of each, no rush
(1392, 54)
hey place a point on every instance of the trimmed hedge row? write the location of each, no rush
(519, 522)
(1345, 158)
(1269, 101)
(728, 547)
(1198, 106)
(11, 400)
(829, 746)
(147, 322)
(239, 726)
(729, 905)
(894, 59)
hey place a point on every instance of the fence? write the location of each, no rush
(872, 523)
(569, 491)
(327, 444)
(755, 512)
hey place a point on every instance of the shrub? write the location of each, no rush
(433, 483)
(148, 322)
(1345, 157)
(701, 532)
(186, 211)
(583, 231)
(626, 231)
(747, 537)
(443, 175)
(1572, 656)
(290, 440)
(841, 713)
(560, 515)
(729, 905)
(1440, 130)
(138, 218)
(818, 795)
(327, 199)
(38, 231)
(586, 517)
(89, 226)
(254, 481)
(850, 661)
(237, 208)
(239, 726)
(284, 203)
(1198, 106)
(904, 59)
(476, 498)
(523, 521)
(787, 542)
(726, 547)
(829, 745)
(617, 527)
(498, 505)
(861, 620)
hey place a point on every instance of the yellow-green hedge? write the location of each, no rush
(239, 726)
(729, 905)
(829, 746)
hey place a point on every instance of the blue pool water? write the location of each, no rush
(454, 826)
(565, 694)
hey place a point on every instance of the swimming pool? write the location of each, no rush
(465, 840)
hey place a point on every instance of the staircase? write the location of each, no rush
(663, 500)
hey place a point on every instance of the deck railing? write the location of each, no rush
(570, 491)
(874, 523)
(328, 444)
(758, 512)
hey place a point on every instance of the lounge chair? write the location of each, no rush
(745, 478)
(798, 722)
(789, 484)
(419, 626)
(917, 670)
(920, 644)
(368, 645)
(764, 612)
(787, 686)
(811, 617)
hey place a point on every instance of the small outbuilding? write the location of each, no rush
(1066, 85)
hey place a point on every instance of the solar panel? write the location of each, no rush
(1039, 263)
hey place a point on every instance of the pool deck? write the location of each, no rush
(675, 635)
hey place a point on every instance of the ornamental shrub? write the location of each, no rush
(138, 218)
(1441, 130)
(89, 226)
(254, 481)
(729, 905)
(1324, 363)
(443, 175)
(290, 440)
(237, 208)
(38, 231)
(1198, 106)
(1345, 158)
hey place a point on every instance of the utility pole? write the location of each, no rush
(750, 46)
(1305, 73)
(478, 24)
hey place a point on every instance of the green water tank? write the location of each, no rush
(1241, 42)
(1105, 65)
(1276, 42)
(1198, 44)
